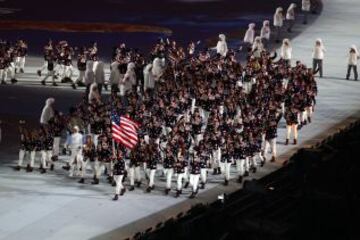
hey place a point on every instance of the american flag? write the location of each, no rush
(124, 130)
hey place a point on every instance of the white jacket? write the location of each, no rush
(306, 5)
(100, 73)
(265, 30)
(319, 50)
(250, 34)
(221, 47)
(158, 66)
(257, 47)
(76, 141)
(278, 17)
(149, 81)
(114, 74)
(286, 50)
(353, 56)
(89, 74)
(47, 112)
(290, 13)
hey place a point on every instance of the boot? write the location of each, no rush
(29, 168)
(138, 184)
(240, 179)
(167, 191)
(80, 84)
(73, 85)
(38, 73)
(254, 169)
(55, 84)
(226, 183)
(246, 173)
(82, 180)
(43, 170)
(116, 197)
(122, 191)
(96, 181)
(132, 188)
(202, 185)
(109, 179)
(186, 185)
(148, 189)
(43, 83)
(309, 119)
(287, 142)
(21, 70)
(17, 168)
(3, 82)
(178, 192)
(295, 141)
(52, 167)
(193, 194)
(272, 159)
(67, 167)
(215, 171)
(219, 170)
(113, 184)
(54, 158)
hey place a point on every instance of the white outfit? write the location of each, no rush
(221, 47)
(100, 73)
(158, 67)
(76, 145)
(318, 52)
(265, 30)
(250, 34)
(89, 74)
(47, 112)
(286, 50)
(129, 79)
(306, 5)
(278, 18)
(149, 81)
(290, 13)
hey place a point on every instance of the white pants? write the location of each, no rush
(225, 168)
(216, 156)
(46, 158)
(21, 157)
(168, 173)
(272, 144)
(247, 164)
(119, 186)
(75, 161)
(194, 181)
(203, 175)
(180, 177)
(50, 73)
(151, 177)
(20, 63)
(291, 128)
(240, 166)
(110, 167)
(134, 173)
(44, 66)
(56, 147)
(81, 77)
(98, 166)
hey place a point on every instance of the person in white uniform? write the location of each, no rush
(352, 62)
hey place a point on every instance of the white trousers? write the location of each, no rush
(293, 129)
(240, 166)
(194, 181)
(21, 157)
(225, 168)
(151, 177)
(203, 175)
(81, 77)
(46, 158)
(134, 173)
(168, 173)
(75, 161)
(20, 63)
(56, 147)
(271, 143)
(180, 177)
(119, 186)
(215, 158)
